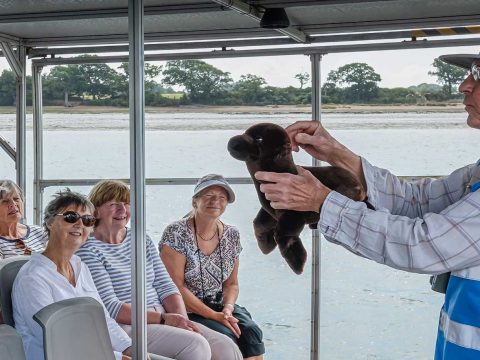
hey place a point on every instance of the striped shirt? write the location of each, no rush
(426, 226)
(429, 226)
(110, 266)
(35, 239)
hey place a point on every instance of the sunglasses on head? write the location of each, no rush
(475, 71)
(72, 217)
(20, 244)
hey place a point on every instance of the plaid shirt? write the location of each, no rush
(427, 226)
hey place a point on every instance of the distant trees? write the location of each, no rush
(249, 89)
(203, 82)
(7, 88)
(303, 78)
(448, 75)
(353, 83)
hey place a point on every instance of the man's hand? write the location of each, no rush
(179, 321)
(315, 140)
(302, 192)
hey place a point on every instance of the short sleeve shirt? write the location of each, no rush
(203, 275)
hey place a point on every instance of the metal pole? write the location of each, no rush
(137, 175)
(37, 142)
(316, 248)
(20, 158)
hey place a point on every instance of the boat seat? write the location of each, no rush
(76, 327)
(11, 346)
(9, 268)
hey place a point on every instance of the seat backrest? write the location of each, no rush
(75, 329)
(9, 268)
(11, 346)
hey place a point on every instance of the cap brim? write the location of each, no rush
(461, 60)
(207, 184)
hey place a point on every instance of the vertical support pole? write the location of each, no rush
(21, 145)
(37, 142)
(137, 175)
(316, 248)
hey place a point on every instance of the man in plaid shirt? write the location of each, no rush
(427, 226)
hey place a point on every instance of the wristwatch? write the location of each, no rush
(162, 319)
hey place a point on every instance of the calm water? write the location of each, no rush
(368, 311)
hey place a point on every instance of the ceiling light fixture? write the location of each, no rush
(275, 18)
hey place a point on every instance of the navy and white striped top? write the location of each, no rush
(110, 266)
(35, 239)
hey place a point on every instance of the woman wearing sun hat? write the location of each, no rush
(201, 253)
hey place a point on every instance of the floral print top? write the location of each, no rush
(180, 237)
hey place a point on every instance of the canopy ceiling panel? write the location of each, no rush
(55, 22)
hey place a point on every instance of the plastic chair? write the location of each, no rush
(76, 329)
(8, 271)
(11, 346)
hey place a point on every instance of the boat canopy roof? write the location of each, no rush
(96, 22)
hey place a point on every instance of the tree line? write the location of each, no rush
(202, 83)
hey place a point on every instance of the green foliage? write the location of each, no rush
(7, 88)
(448, 75)
(203, 82)
(395, 96)
(426, 88)
(249, 89)
(303, 78)
(358, 82)
(99, 84)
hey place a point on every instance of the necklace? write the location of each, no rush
(202, 238)
(200, 260)
(200, 235)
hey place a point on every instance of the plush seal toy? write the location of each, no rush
(266, 147)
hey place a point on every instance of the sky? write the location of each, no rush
(398, 68)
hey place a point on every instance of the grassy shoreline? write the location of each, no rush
(268, 109)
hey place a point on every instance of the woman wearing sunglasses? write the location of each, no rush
(15, 237)
(107, 253)
(57, 274)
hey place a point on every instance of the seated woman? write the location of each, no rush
(57, 274)
(15, 237)
(201, 254)
(107, 254)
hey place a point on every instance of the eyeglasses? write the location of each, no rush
(475, 71)
(20, 244)
(72, 217)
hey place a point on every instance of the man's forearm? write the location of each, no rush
(348, 160)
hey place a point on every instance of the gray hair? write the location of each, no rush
(62, 200)
(8, 187)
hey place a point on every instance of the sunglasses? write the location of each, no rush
(475, 71)
(72, 217)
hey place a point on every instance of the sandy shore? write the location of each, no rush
(269, 109)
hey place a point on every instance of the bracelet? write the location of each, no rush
(229, 305)
(162, 319)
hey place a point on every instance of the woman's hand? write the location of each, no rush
(228, 309)
(228, 321)
(179, 321)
